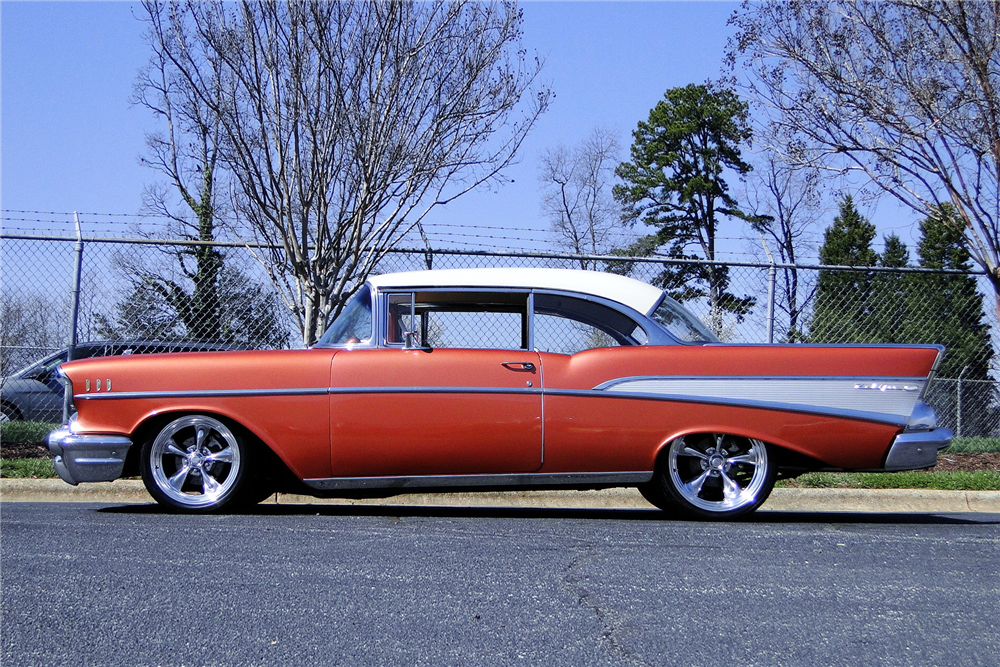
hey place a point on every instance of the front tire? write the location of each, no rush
(196, 464)
(712, 476)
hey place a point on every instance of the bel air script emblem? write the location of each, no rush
(876, 386)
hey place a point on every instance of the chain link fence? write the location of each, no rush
(111, 289)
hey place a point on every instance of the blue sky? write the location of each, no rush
(70, 140)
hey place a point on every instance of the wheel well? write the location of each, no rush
(270, 462)
(789, 463)
(10, 410)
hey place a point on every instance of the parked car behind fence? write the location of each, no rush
(34, 393)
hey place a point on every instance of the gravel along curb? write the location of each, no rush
(781, 500)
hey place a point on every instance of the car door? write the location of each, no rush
(450, 408)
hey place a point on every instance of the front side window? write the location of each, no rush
(354, 325)
(453, 319)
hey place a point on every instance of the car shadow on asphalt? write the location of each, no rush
(652, 515)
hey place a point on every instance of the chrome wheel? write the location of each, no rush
(718, 475)
(8, 413)
(194, 463)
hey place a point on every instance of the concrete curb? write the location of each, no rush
(781, 500)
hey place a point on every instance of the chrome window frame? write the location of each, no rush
(372, 341)
(383, 308)
(674, 339)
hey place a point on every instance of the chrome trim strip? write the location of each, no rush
(442, 481)
(760, 378)
(850, 412)
(206, 393)
(530, 316)
(312, 391)
(435, 390)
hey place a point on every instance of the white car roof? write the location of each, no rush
(633, 293)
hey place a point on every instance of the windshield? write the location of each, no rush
(681, 323)
(354, 325)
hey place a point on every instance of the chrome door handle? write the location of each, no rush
(519, 366)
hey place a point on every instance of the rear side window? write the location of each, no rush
(566, 325)
(681, 323)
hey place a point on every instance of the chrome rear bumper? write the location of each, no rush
(912, 450)
(88, 458)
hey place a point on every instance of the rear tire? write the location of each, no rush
(196, 463)
(8, 413)
(712, 476)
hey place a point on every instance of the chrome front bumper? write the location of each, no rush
(912, 450)
(88, 458)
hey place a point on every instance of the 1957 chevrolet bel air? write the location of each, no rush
(500, 378)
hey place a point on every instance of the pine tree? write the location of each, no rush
(675, 184)
(947, 309)
(890, 292)
(842, 311)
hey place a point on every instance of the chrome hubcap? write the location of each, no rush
(717, 472)
(195, 460)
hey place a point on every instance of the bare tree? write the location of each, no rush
(784, 203)
(576, 194)
(186, 151)
(345, 123)
(906, 92)
(31, 326)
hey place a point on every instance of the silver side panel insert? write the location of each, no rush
(889, 400)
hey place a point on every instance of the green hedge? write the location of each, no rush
(25, 433)
(974, 446)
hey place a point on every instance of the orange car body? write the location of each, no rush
(389, 415)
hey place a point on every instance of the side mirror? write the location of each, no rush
(410, 340)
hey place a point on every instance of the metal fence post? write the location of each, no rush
(772, 274)
(75, 312)
(958, 403)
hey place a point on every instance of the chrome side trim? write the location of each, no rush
(867, 410)
(761, 378)
(912, 450)
(316, 391)
(206, 393)
(443, 481)
(436, 390)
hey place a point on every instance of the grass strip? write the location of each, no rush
(27, 468)
(956, 480)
